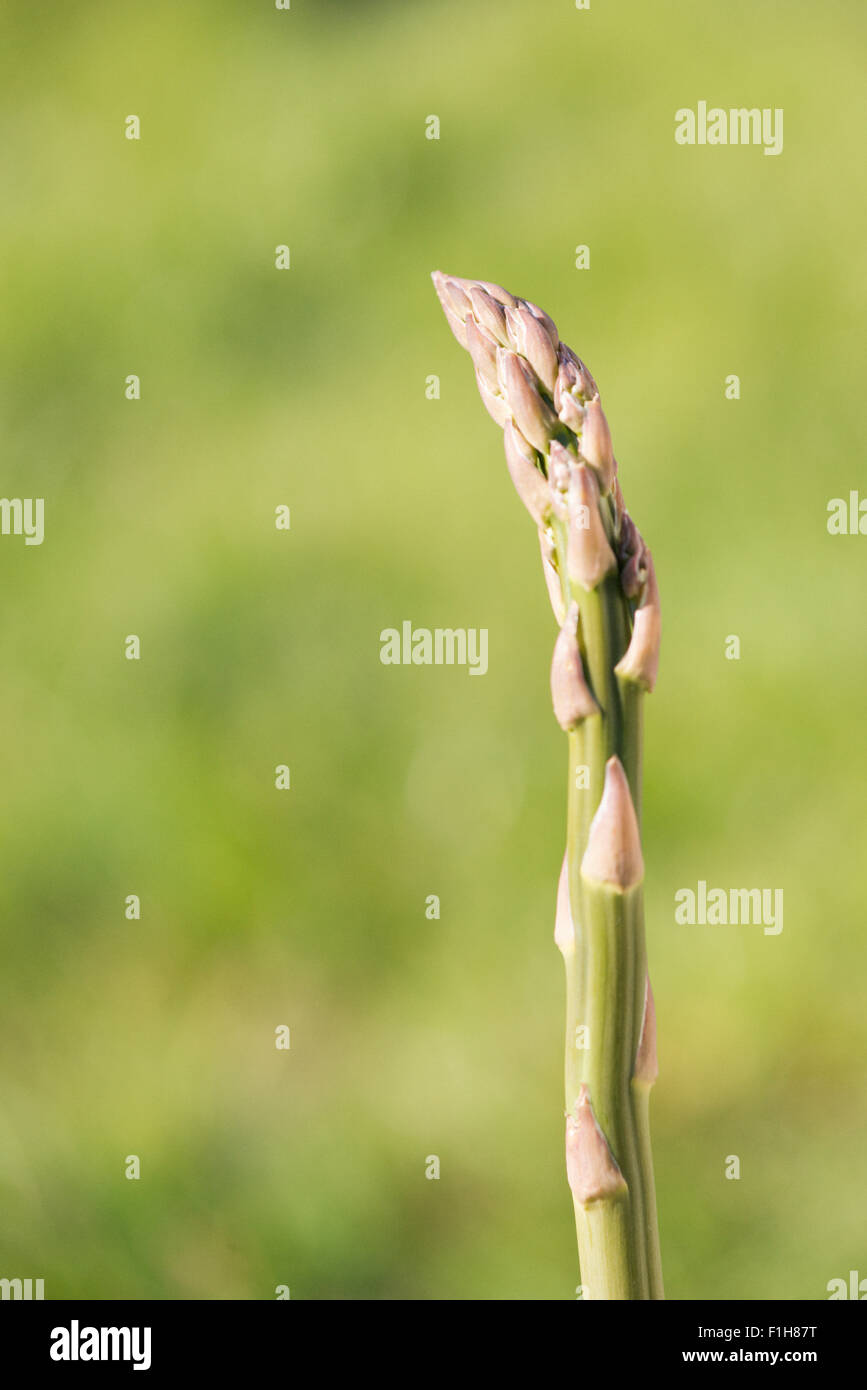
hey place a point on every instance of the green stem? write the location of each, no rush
(604, 1243)
(641, 1120)
(606, 971)
(631, 756)
(614, 998)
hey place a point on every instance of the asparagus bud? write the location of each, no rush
(530, 338)
(495, 291)
(570, 692)
(633, 557)
(596, 444)
(546, 321)
(571, 413)
(590, 1165)
(530, 485)
(483, 350)
(454, 303)
(495, 404)
(489, 314)
(640, 664)
(590, 557)
(567, 378)
(533, 415)
(613, 853)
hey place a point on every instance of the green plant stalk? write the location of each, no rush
(606, 970)
(602, 587)
(612, 964)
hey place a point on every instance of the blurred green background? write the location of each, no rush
(259, 387)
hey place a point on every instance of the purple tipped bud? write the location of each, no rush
(576, 377)
(571, 413)
(587, 386)
(591, 1167)
(529, 337)
(533, 415)
(489, 314)
(589, 556)
(483, 350)
(613, 853)
(567, 375)
(570, 692)
(641, 661)
(530, 483)
(596, 444)
(633, 557)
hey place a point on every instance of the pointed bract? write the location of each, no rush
(613, 853)
(530, 484)
(455, 320)
(496, 406)
(457, 298)
(567, 376)
(640, 663)
(596, 444)
(570, 693)
(590, 557)
(483, 350)
(546, 321)
(489, 314)
(533, 416)
(495, 291)
(587, 387)
(591, 1167)
(458, 328)
(530, 338)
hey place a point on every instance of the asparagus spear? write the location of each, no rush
(603, 591)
